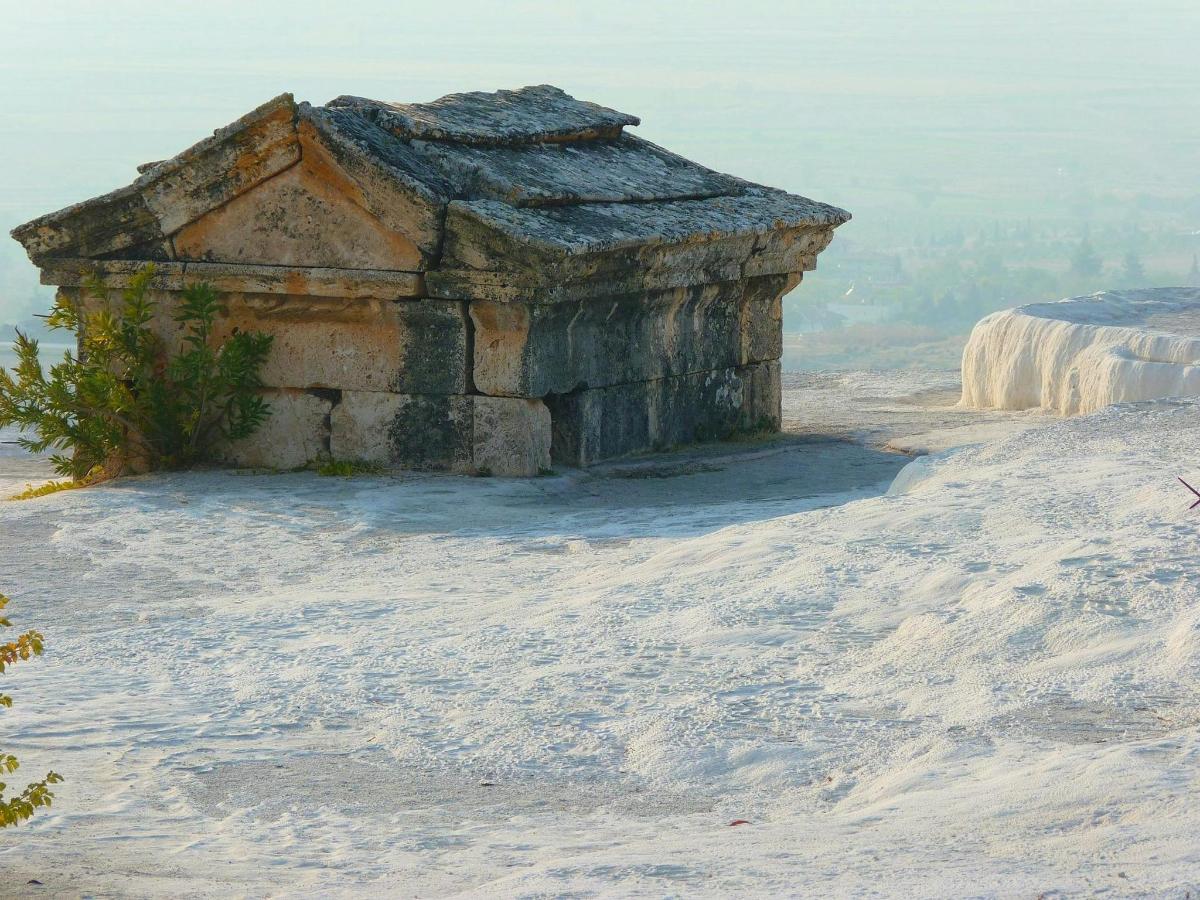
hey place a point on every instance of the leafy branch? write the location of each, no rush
(124, 401)
(38, 794)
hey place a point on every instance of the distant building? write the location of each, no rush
(487, 281)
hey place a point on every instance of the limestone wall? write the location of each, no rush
(380, 380)
(530, 350)
(364, 367)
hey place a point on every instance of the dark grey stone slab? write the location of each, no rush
(360, 138)
(602, 227)
(593, 425)
(494, 251)
(527, 115)
(627, 169)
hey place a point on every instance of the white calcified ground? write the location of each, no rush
(983, 682)
(1084, 353)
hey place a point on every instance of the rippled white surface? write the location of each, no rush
(984, 683)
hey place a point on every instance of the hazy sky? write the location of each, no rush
(850, 102)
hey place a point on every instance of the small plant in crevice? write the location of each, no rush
(126, 401)
(346, 468)
(763, 428)
(32, 492)
(17, 808)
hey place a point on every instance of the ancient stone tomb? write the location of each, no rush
(488, 282)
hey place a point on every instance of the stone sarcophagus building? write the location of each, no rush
(488, 282)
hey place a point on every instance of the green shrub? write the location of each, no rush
(124, 402)
(18, 808)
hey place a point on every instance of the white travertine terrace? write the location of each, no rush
(1084, 353)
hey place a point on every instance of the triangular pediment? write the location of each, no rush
(286, 184)
(301, 217)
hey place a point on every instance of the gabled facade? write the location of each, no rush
(495, 282)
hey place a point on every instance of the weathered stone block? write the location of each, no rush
(592, 425)
(294, 434)
(359, 425)
(413, 347)
(362, 284)
(787, 251)
(761, 327)
(414, 431)
(310, 281)
(762, 408)
(107, 224)
(495, 251)
(511, 436)
(530, 350)
(503, 435)
(224, 166)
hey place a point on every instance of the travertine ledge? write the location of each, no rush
(1084, 353)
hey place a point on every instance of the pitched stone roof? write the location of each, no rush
(537, 169)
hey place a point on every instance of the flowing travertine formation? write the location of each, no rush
(1085, 353)
(485, 282)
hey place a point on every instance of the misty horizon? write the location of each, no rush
(995, 137)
